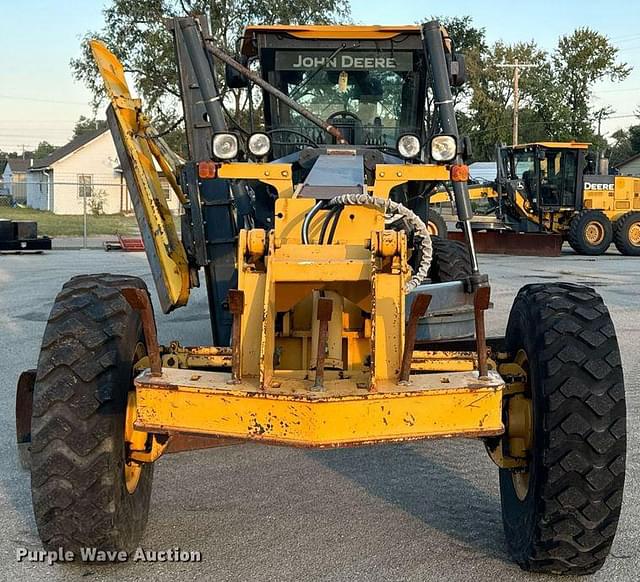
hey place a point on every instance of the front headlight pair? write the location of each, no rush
(226, 146)
(442, 148)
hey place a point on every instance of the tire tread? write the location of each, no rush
(583, 437)
(74, 449)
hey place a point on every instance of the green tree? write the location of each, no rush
(620, 148)
(43, 150)
(634, 139)
(136, 32)
(88, 125)
(580, 60)
(490, 109)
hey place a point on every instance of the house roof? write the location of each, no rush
(67, 149)
(633, 158)
(18, 164)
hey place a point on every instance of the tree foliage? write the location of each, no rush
(580, 60)
(43, 150)
(624, 144)
(556, 96)
(88, 125)
(136, 31)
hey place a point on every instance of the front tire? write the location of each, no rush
(78, 455)
(562, 518)
(590, 233)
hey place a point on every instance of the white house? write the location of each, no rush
(14, 177)
(86, 171)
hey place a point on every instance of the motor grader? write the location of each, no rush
(336, 319)
(552, 188)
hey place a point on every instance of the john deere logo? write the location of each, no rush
(347, 61)
(594, 186)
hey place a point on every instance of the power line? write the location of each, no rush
(616, 90)
(541, 122)
(38, 100)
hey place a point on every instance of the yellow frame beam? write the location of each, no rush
(182, 401)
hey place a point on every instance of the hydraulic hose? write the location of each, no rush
(307, 221)
(390, 207)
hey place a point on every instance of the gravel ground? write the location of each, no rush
(421, 511)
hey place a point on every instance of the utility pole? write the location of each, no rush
(516, 66)
(600, 114)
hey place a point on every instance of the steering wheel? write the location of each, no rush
(344, 114)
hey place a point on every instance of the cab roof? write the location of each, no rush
(329, 31)
(578, 145)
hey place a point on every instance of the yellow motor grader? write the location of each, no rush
(551, 188)
(336, 319)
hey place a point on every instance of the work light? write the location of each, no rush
(408, 146)
(224, 146)
(259, 144)
(443, 148)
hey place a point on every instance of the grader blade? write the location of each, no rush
(515, 243)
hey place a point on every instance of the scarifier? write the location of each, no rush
(337, 320)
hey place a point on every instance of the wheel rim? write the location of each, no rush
(634, 234)
(133, 439)
(594, 232)
(520, 428)
(432, 228)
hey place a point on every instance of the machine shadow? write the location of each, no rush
(413, 478)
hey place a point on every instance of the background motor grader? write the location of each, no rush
(336, 319)
(552, 188)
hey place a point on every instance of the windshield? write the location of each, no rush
(523, 165)
(372, 97)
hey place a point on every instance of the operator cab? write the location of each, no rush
(368, 81)
(547, 174)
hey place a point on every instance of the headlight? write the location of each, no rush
(259, 144)
(408, 146)
(443, 148)
(224, 146)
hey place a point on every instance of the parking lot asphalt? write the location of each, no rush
(421, 511)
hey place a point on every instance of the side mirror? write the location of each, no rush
(457, 70)
(541, 155)
(234, 79)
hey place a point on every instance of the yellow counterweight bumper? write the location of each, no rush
(345, 413)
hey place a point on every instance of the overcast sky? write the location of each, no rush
(40, 100)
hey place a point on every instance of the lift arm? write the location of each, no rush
(138, 149)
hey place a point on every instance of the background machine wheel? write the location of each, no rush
(436, 225)
(450, 260)
(560, 511)
(626, 234)
(590, 233)
(86, 492)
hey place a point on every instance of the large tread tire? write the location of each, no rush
(625, 233)
(578, 228)
(84, 372)
(450, 262)
(567, 521)
(436, 225)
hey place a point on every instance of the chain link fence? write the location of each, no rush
(89, 208)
